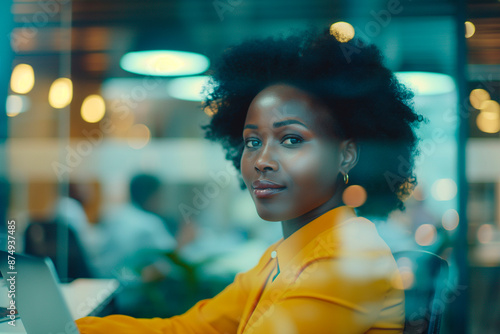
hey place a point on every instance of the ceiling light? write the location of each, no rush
(342, 31)
(427, 83)
(22, 79)
(61, 93)
(164, 63)
(16, 104)
(93, 108)
(190, 88)
(470, 29)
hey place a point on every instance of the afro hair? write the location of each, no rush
(366, 101)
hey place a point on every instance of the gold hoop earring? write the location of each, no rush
(346, 178)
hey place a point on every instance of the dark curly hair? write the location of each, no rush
(366, 101)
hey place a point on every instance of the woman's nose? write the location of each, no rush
(266, 161)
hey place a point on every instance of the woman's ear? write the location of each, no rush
(349, 155)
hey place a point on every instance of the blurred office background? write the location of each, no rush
(82, 117)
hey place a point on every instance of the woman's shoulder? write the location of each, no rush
(360, 265)
(355, 237)
(352, 251)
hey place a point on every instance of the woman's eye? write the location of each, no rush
(292, 140)
(252, 143)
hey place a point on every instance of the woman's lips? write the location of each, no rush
(266, 188)
(267, 193)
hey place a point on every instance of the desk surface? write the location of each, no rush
(83, 297)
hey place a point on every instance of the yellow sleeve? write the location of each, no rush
(336, 296)
(220, 314)
(309, 315)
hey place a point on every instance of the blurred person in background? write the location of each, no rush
(70, 210)
(132, 232)
(303, 118)
(64, 212)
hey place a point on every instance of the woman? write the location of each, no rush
(302, 122)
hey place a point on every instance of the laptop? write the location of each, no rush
(36, 294)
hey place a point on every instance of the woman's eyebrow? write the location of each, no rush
(288, 122)
(277, 124)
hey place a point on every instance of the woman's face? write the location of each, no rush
(291, 161)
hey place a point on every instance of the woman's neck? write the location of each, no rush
(293, 225)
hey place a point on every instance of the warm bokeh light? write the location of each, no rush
(61, 93)
(16, 104)
(444, 189)
(478, 96)
(404, 262)
(485, 233)
(488, 122)
(342, 31)
(425, 234)
(211, 109)
(354, 196)
(122, 121)
(22, 79)
(490, 106)
(404, 279)
(93, 108)
(470, 29)
(419, 193)
(138, 136)
(450, 219)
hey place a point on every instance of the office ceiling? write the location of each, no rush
(418, 35)
(104, 30)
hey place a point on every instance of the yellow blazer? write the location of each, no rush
(334, 275)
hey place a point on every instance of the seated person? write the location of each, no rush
(302, 122)
(133, 227)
